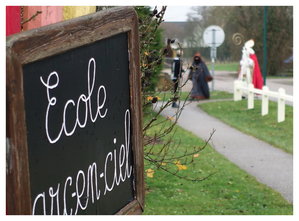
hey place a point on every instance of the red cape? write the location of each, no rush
(257, 79)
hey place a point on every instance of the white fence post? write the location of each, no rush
(281, 105)
(237, 90)
(265, 101)
(250, 104)
(241, 87)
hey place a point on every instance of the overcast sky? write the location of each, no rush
(177, 13)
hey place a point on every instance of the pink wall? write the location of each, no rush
(49, 15)
(13, 20)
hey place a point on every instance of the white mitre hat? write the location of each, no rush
(248, 45)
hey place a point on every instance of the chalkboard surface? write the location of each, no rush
(74, 118)
(79, 130)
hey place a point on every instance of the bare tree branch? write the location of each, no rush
(32, 17)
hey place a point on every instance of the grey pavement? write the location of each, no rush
(268, 164)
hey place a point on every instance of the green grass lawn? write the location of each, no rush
(164, 96)
(251, 122)
(220, 95)
(230, 66)
(229, 191)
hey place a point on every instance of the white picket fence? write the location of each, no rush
(241, 88)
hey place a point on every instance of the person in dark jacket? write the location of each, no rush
(200, 76)
(177, 69)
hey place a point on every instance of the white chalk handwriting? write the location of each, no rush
(101, 111)
(86, 186)
(86, 183)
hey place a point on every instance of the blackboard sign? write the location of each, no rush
(74, 118)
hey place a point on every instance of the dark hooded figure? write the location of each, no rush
(200, 76)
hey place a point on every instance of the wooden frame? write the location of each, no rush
(47, 41)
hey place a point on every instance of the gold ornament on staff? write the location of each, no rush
(238, 38)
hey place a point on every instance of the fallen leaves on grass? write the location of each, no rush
(170, 118)
(196, 155)
(180, 166)
(150, 173)
(153, 99)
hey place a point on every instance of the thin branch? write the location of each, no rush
(32, 17)
(191, 153)
(182, 177)
(159, 150)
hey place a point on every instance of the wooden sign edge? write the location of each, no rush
(36, 44)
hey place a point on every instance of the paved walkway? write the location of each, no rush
(268, 164)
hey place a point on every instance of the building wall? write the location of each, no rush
(13, 20)
(48, 15)
(76, 11)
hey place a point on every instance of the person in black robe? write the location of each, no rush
(200, 76)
